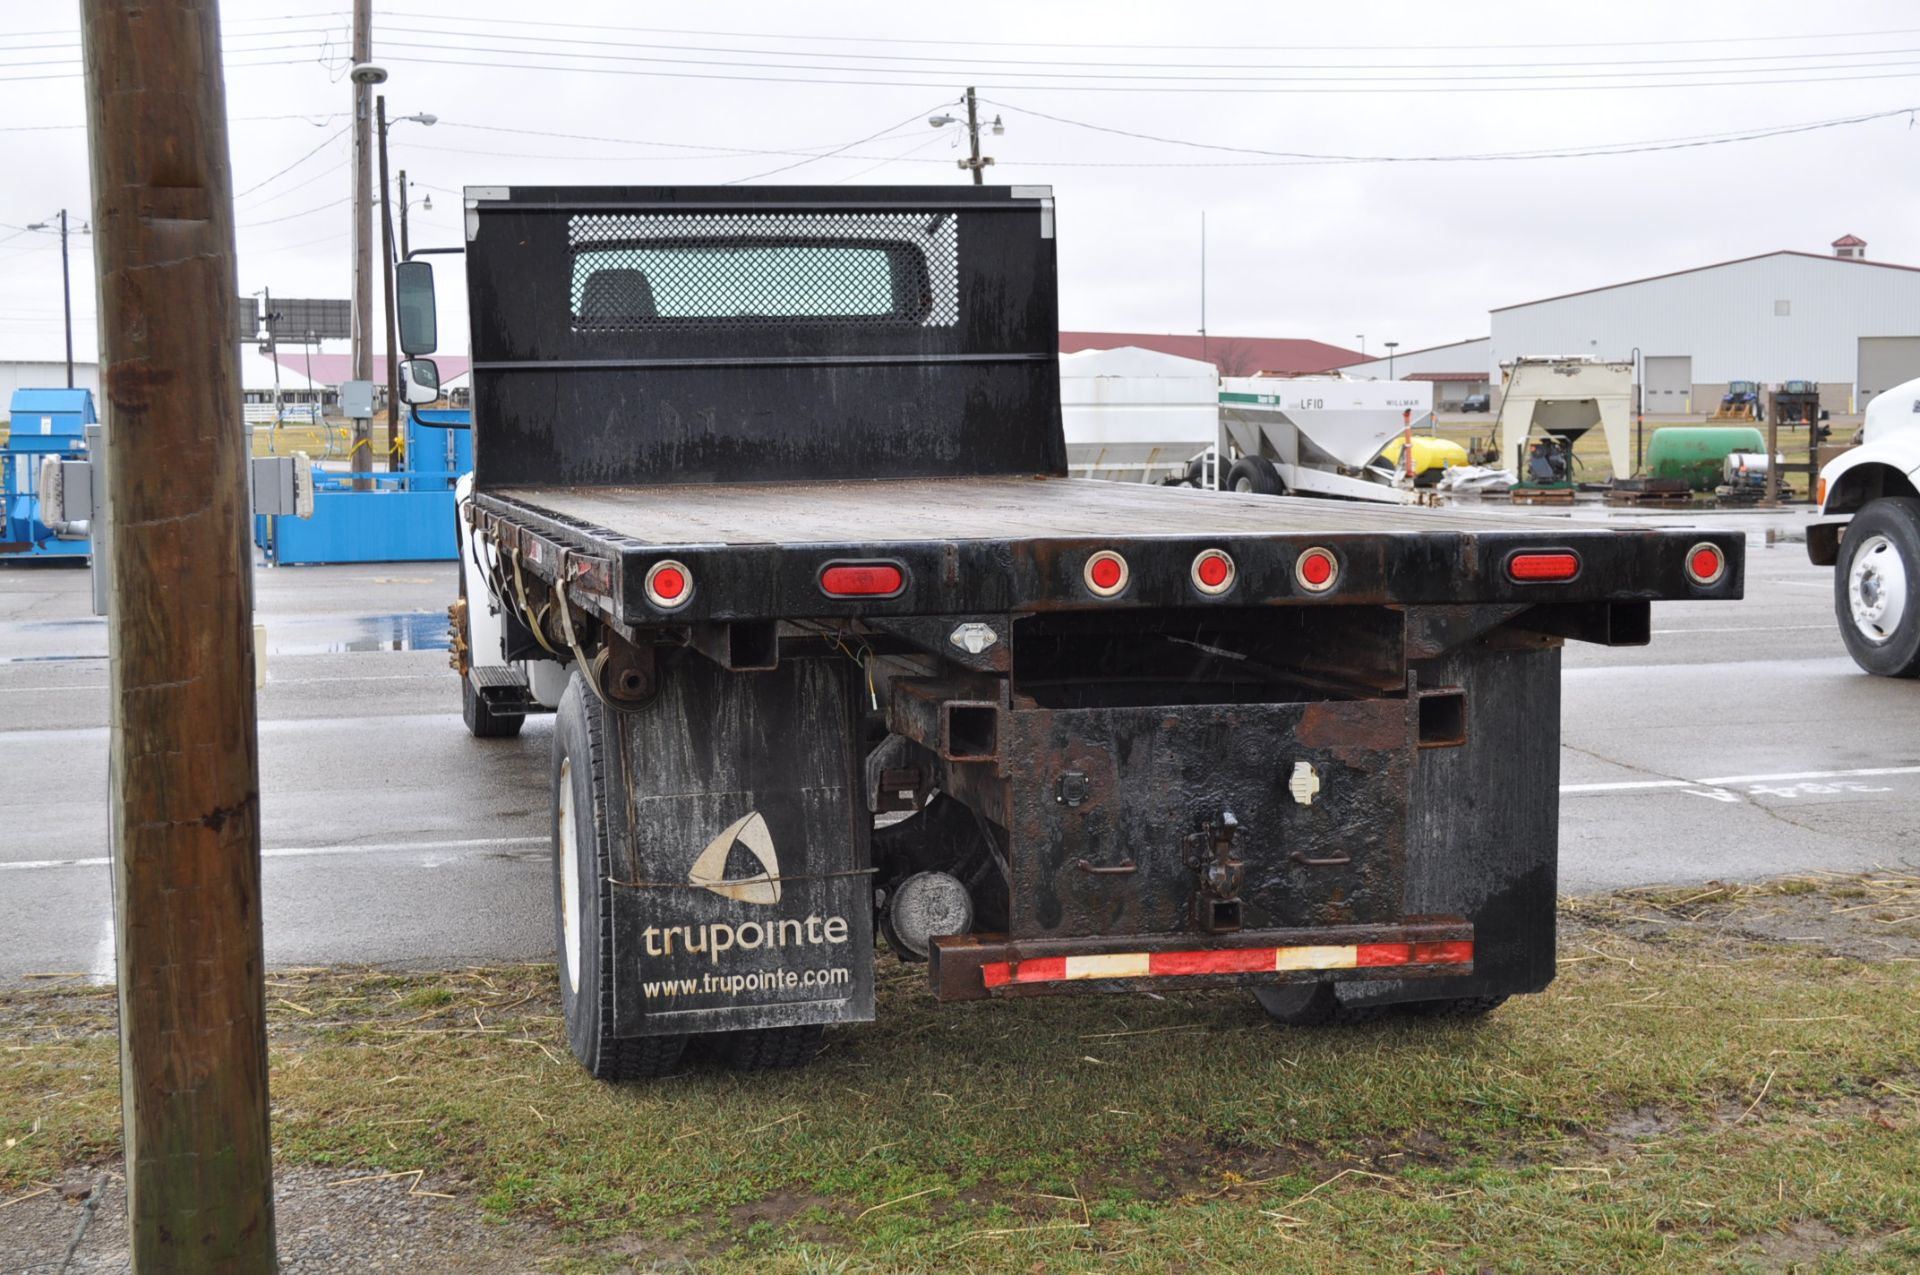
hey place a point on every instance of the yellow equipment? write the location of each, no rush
(1431, 457)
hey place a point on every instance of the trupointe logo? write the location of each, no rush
(709, 870)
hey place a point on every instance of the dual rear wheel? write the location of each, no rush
(584, 828)
(1319, 1005)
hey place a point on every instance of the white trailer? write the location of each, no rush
(1135, 415)
(1318, 435)
(1566, 397)
(1868, 531)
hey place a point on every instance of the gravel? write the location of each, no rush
(325, 1222)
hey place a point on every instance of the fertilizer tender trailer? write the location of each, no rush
(778, 476)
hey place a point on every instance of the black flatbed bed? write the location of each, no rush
(1018, 543)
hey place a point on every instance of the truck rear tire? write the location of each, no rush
(768, 1048)
(483, 720)
(1458, 1006)
(1255, 474)
(1876, 587)
(1299, 1004)
(583, 898)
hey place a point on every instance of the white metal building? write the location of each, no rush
(19, 374)
(1456, 369)
(1848, 322)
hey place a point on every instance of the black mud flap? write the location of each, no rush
(742, 896)
(1484, 835)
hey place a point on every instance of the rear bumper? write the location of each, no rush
(975, 966)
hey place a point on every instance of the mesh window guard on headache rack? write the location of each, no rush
(655, 271)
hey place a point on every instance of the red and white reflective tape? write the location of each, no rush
(1232, 960)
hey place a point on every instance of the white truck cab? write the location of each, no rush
(1868, 530)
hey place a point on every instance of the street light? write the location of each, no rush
(425, 204)
(386, 266)
(976, 162)
(1361, 337)
(1391, 347)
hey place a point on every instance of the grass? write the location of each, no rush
(1720, 1078)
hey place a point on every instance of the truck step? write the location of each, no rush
(498, 681)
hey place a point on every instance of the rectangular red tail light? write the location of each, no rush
(862, 580)
(1536, 568)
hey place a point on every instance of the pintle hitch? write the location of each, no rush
(1212, 853)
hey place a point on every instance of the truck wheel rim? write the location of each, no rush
(1877, 589)
(569, 852)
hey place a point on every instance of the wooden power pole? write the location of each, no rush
(360, 456)
(185, 770)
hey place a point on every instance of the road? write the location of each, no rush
(1741, 743)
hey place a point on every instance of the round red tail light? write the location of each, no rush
(669, 585)
(1316, 570)
(1106, 573)
(1212, 572)
(1706, 564)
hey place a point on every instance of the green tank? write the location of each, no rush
(1696, 454)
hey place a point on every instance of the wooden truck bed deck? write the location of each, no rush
(998, 508)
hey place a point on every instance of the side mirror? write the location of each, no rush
(413, 307)
(420, 382)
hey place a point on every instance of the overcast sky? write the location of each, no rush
(1410, 251)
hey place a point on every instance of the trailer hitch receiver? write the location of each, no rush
(1213, 853)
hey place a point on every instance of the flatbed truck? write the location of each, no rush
(770, 504)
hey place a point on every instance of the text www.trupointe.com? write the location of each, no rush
(738, 984)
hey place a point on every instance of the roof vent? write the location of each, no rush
(1852, 247)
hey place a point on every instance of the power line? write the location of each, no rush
(628, 141)
(1569, 152)
(943, 39)
(830, 154)
(274, 221)
(322, 175)
(318, 121)
(904, 156)
(75, 45)
(295, 164)
(1403, 75)
(1320, 87)
(517, 40)
(225, 21)
(226, 64)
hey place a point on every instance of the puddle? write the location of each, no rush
(404, 631)
(287, 635)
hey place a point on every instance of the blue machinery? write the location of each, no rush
(44, 423)
(407, 517)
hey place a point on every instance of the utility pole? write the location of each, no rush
(403, 214)
(1203, 287)
(975, 161)
(386, 286)
(66, 286)
(273, 354)
(361, 452)
(973, 138)
(184, 761)
(66, 295)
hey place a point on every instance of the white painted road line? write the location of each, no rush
(1633, 785)
(1750, 628)
(295, 852)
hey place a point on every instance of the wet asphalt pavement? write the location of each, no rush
(1741, 743)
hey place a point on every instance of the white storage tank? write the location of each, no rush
(1135, 415)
